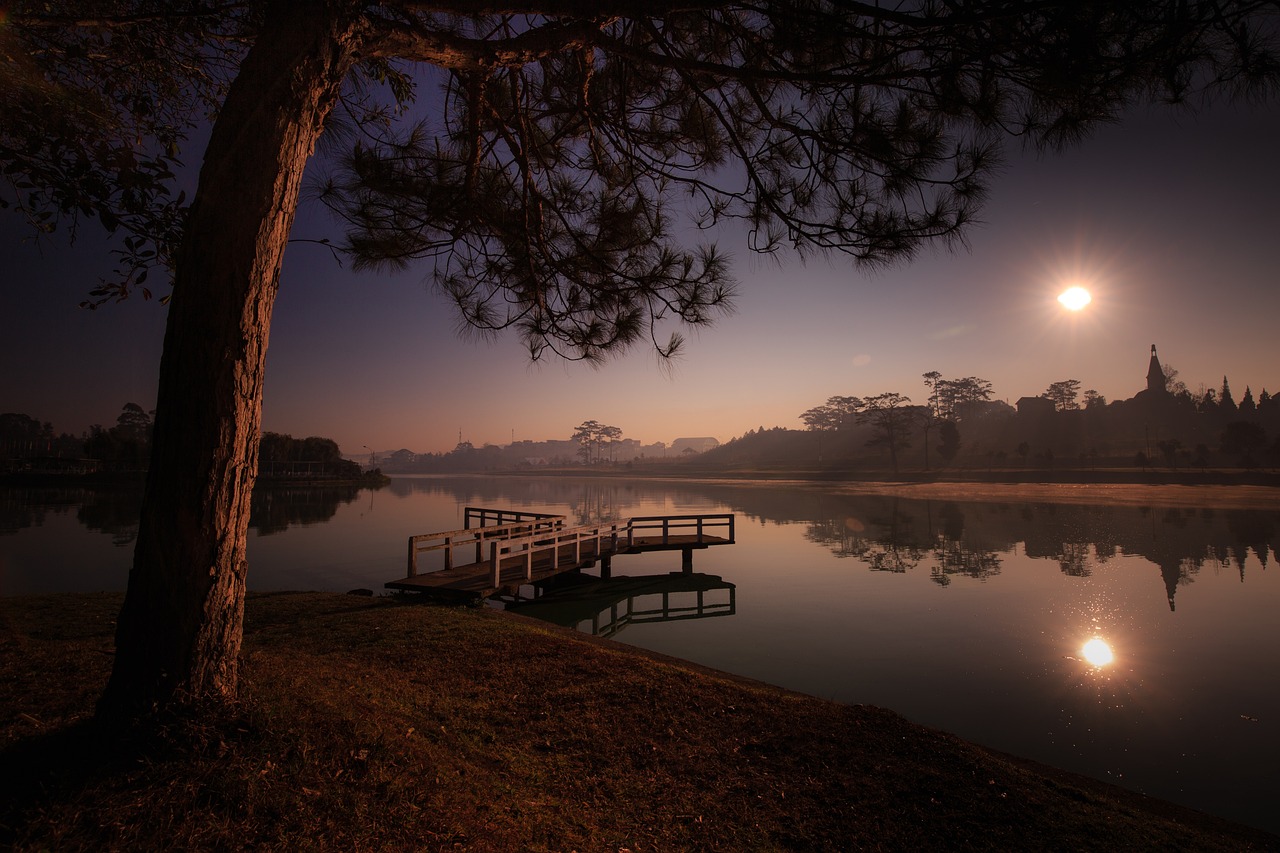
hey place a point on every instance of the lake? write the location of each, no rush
(970, 617)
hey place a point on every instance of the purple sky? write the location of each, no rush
(1170, 219)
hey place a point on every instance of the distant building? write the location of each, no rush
(697, 445)
(1155, 375)
(1155, 394)
(1035, 406)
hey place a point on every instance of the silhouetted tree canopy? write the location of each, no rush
(889, 416)
(1063, 394)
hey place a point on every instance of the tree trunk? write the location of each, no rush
(178, 637)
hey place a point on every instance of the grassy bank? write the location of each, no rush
(370, 725)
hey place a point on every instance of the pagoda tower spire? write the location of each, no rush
(1155, 374)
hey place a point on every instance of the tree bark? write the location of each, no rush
(179, 632)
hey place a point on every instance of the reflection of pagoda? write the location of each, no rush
(1172, 573)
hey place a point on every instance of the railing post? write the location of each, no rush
(528, 560)
(448, 552)
(413, 558)
(731, 520)
(495, 564)
(699, 530)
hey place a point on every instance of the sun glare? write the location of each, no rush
(1074, 298)
(1097, 652)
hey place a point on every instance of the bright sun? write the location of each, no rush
(1074, 298)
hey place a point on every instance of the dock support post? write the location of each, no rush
(686, 560)
(606, 567)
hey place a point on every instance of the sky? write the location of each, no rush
(1170, 219)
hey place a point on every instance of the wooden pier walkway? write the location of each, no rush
(506, 549)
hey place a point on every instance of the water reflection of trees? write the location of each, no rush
(955, 558)
(113, 511)
(21, 508)
(956, 538)
(896, 539)
(274, 509)
(953, 538)
(886, 542)
(968, 539)
(586, 500)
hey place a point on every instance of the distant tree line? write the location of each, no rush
(23, 437)
(282, 456)
(125, 446)
(29, 444)
(959, 423)
(26, 442)
(889, 420)
(593, 437)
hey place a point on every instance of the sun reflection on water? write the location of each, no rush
(1098, 652)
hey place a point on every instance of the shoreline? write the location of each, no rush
(1221, 495)
(1221, 489)
(1101, 494)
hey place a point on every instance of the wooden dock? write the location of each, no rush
(506, 549)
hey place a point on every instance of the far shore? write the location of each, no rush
(1220, 488)
(1225, 489)
(1102, 494)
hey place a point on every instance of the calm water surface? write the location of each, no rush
(969, 617)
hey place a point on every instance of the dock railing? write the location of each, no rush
(475, 537)
(532, 536)
(668, 526)
(603, 538)
(478, 516)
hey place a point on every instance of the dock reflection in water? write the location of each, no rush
(604, 607)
